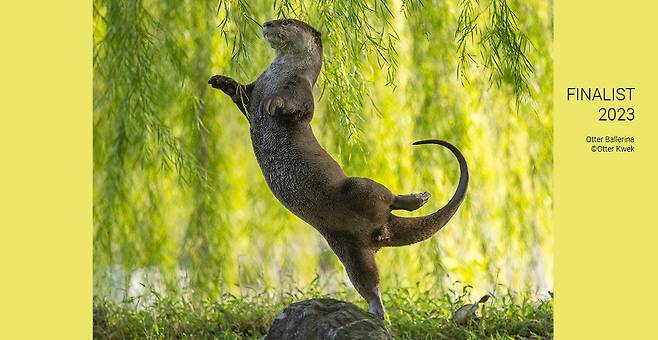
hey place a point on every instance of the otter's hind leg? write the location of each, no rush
(410, 202)
(359, 262)
(368, 197)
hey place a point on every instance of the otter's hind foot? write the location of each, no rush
(410, 202)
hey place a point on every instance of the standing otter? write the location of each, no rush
(353, 214)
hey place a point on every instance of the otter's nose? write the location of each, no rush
(267, 24)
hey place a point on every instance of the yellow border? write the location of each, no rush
(45, 177)
(606, 234)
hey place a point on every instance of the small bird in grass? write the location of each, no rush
(466, 312)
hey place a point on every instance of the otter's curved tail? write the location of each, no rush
(409, 230)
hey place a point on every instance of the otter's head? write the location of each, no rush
(290, 36)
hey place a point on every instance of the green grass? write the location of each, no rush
(412, 315)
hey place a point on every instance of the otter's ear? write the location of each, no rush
(318, 36)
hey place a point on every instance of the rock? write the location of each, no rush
(326, 319)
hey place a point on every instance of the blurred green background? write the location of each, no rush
(180, 205)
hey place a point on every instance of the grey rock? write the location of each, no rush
(326, 319)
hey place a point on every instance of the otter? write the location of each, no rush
(353, 214)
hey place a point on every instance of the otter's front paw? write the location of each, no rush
(382, 234)
(275, 106)
(224, 83)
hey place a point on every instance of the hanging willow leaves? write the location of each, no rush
(503, 46)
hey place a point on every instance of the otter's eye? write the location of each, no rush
(284, 23)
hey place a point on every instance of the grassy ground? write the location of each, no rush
(411, 316)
